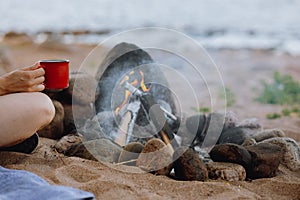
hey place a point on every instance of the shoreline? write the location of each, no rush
(213, 40)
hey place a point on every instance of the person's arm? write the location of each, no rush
(28, 79)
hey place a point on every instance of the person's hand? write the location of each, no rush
(28, 79)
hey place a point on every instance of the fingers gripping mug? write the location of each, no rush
(56, 74)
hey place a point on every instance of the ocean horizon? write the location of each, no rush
(250, 24)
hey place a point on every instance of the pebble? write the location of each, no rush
(251, 126)
(156, 157)
(188, 166)
(235, 135)
(76, 116)
(231, 153)
(291, 156)
(265, 160)
(65, 143)
(99, 149)
(131, 152)
(226, 171)
(268, 133)
(195, 125)
(231, 120)
(251, 123)
(82, 88)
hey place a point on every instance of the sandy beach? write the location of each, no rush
(241, 70)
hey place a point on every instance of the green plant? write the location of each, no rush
(273, 116)
(286, 112)
(202, 109)
(283, 90)
(228, 95)
(295, 109)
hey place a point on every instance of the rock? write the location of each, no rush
(186, 137)
(226, 171)
(55, 129)
(268, 133)
(69, 124)
(251, 123)
(65, 143)
(121, 60)
(155, 157)
(251, 126)
(235, 135)
(76, 116)
(131, 152)
(82, 88)
(196, 126)
(231, 120)
(100, 150)
(188, 166)
(214, 130)
(248, 142)
(265, 160)
(17, 38)
(231, 153)
(291, 155)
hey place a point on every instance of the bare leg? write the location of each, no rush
(22, 114)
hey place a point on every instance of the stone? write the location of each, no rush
(251, 125)
(232, 153)
(235, 135)
(196, 126)
(82, 88)
(55, 129)
(231, 120)
(215, 127)
(226, 171)
(65, 143)
(120, 60)
(265, 160)
(131, 152)
(76, 116)
(103, 150)
(156, 157)
(291, 155)
(188, 166)
(268, 133)
(17, 38)
(186, 137)
(248, 142)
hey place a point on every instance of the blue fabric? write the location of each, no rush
(23, 185)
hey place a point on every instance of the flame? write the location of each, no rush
(135, 82)
(142, 84)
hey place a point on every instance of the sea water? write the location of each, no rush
(254, 24)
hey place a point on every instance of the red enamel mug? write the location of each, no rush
(56, 74)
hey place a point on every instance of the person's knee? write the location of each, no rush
(46, 109)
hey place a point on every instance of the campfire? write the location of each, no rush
(139, 127)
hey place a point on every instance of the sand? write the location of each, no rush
(108, 182)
